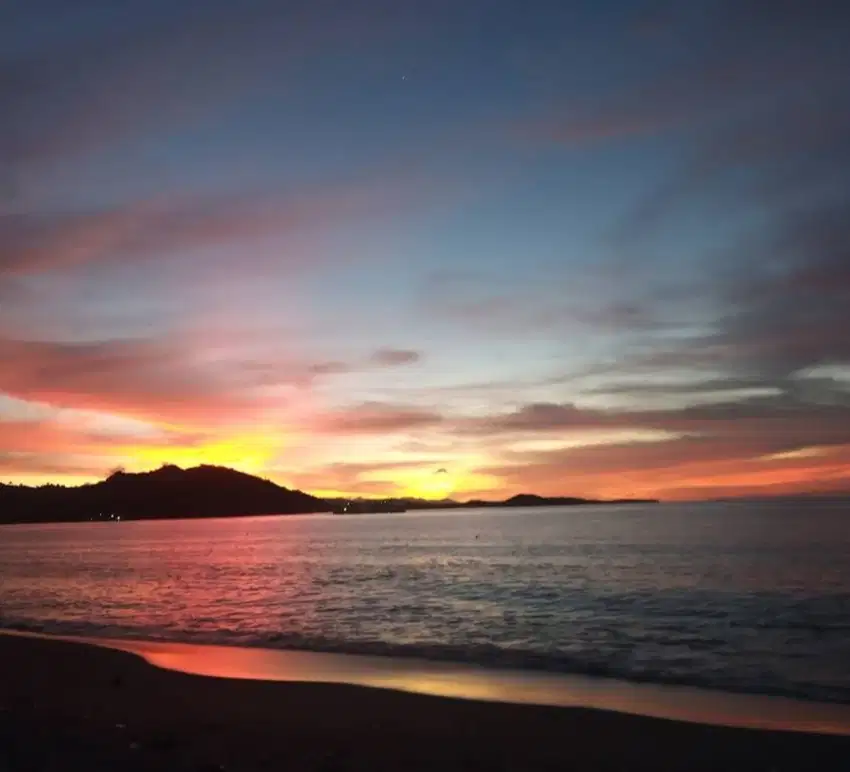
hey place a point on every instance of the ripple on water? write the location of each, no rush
(737, 596)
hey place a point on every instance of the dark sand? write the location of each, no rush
(69, 706)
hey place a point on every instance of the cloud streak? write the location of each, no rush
(145, 379)
(653, 302)
(160, 230)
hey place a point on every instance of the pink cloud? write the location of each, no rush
(36, 243)
(144, 379)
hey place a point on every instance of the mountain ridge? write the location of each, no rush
(169, 492)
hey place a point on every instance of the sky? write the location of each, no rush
(428, 247)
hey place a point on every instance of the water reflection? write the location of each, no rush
(458, 681)
(733, 597)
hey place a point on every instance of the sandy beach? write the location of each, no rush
(66, 705)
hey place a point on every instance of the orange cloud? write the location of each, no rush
(680, 469)
(141, 403)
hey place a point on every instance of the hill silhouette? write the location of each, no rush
(210, 491)
(168, 492)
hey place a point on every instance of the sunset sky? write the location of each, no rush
(589, 248)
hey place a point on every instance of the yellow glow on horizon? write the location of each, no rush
(248, 453)
(421, 482)
(431, 483)
(36, 479)
(436, 485)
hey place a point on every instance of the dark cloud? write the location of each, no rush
(390, 357)
(544, 417)
(754, 95)
(768, 424)
(696, 387)
(784, 310)
(331, 367)
(380, 358)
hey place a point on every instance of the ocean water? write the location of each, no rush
(747, 597)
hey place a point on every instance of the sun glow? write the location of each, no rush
(441, 482)
(248, 453)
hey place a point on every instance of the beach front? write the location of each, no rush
(67, 705)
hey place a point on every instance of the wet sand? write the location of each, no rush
(67, 705)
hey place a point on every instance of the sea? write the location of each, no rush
(749, 597)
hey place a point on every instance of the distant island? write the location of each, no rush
(366, 506)
(210, 491)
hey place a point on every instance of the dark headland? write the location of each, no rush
(203, 491)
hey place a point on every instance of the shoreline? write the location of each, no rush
(474, 508)
(473, 682)
(94, 704)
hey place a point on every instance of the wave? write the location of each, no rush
(484, 655)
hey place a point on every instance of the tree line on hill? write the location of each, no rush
(202, 491)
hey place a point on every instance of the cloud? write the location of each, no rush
(763, 425)
(51, 466)
(751, 104)
(380, 358)
(378, 418)
(751, 96)
(782, 310)
(792, 317)
(27, 437)
(63, 443)
(390, 357)
(543, 417)
(38, 242)
(332, 367)
(686, 468)
(146, 379)
(155, 400)
(744, 445)
(698, 388)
